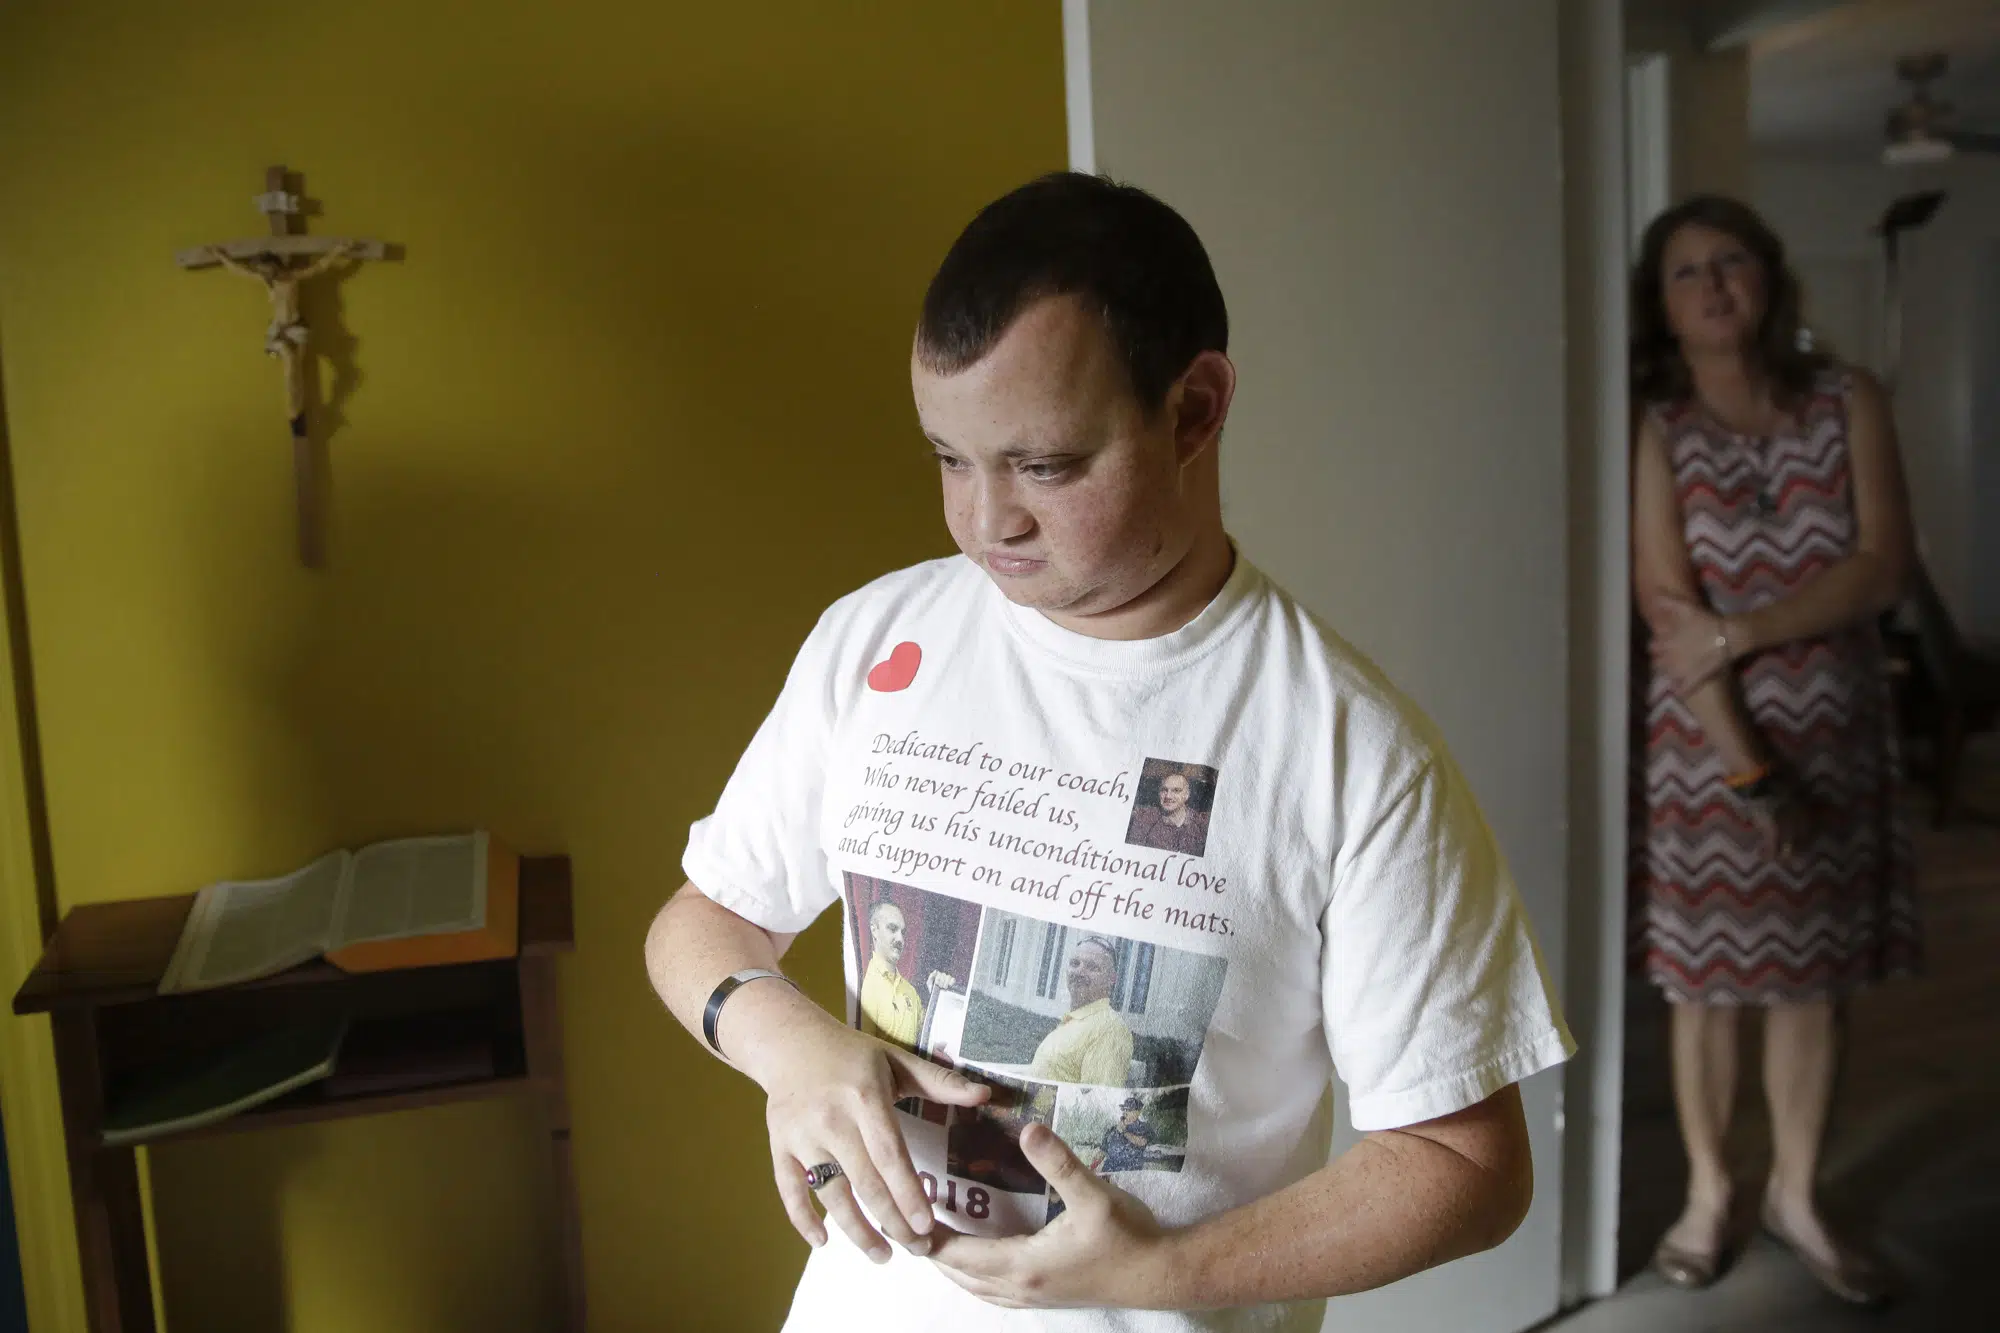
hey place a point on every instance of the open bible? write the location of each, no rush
(408, 903)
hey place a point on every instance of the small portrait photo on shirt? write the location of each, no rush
(1124, 1129)
(1121, 1129)
(1070, 1005)
(1170, 811)
(914, 950)
(983, 1143)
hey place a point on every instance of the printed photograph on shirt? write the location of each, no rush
(943, 1025)
(914, 950)
(1124, 1129)
(983, 1144)
(1116, 1129)
(1070, 1005)
(1170, 811)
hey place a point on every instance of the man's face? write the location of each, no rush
(887, 934)
(1090, 975)
(1173, 793)
(1055, 482)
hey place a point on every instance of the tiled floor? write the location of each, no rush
(1914, 1148)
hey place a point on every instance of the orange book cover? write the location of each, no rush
(498, 938)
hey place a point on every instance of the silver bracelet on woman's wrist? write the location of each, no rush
(726, 988)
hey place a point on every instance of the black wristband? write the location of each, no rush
(723, 990)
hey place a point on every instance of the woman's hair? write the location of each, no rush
(1659, 372)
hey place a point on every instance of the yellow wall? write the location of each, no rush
(631, 411)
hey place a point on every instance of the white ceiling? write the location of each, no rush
(1824, 83)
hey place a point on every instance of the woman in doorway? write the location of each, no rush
(1770, 530)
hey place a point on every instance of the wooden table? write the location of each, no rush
(418, 1037)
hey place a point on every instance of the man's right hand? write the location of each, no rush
(831, 1089)
(832, 1093)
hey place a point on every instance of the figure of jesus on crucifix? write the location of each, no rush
(286, 337)
(284, 262)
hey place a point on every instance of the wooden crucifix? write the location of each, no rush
(283, 261)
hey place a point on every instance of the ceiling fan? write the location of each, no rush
(1920, 129)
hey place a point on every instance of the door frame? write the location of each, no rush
(1600, 168)
(1598, 241)
(37, 1157)
(1648, 139)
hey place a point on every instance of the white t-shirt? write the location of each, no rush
(1158, 892)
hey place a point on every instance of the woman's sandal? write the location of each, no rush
(1856, 1279)
(1686, 1269)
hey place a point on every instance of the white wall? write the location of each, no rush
(1824, 210)
(1379, 183)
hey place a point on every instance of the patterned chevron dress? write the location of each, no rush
(1719, 920)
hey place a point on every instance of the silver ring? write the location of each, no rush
(817, 1176)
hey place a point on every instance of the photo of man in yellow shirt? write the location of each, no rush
(891, 1008)
(1091, 1044)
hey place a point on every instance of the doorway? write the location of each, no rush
(1912, 1154)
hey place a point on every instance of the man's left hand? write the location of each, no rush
(1105, 1250)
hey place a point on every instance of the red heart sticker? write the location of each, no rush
(898, 671)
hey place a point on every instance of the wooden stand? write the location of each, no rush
(419, 1037)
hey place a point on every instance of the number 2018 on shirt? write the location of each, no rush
(978, 1203)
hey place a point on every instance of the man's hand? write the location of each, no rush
(832, 1092)
(1105, 1249)
(943, 981)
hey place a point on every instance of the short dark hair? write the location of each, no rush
(1659, 372)
(1119, 249)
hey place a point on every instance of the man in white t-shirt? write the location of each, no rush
(974, 730)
